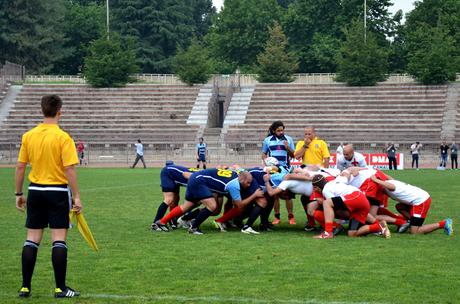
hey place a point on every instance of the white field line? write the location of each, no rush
(217, 299)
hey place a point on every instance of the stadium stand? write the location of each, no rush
(402, 113)
(155, 113)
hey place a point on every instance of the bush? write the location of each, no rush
(110, 62)
(193, 65)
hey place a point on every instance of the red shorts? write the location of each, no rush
(374, 190)
(316, 195)
(421, 210)
(358, 205)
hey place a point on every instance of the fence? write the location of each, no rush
(155, 154)
(221, 80)
(11, 72)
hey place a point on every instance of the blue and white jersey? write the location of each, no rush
(258, 176)
(278, 177)
(274, 147)
(201, 149)
(217, 180)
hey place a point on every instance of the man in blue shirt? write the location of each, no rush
(282, 147)
(201, 153)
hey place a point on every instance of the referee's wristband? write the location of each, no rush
(19, 194)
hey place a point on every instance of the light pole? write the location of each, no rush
(108, 27)
(365, 17)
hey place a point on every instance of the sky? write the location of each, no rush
(405, 5)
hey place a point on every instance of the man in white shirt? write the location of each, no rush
(350, 158)
(139, 154)
(415, 153)
(414, 204)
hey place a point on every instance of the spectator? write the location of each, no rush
(81, 152)
(139, 154)
(52, 155)
(201, 153)
(453, 155)
(414, 150)
(443, 149)
(312, 150)
(339, 149)
(391, 153)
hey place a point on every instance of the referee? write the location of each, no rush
(53, 181)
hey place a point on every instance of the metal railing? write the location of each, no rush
(222, 80)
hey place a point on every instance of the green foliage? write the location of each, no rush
(83, 24)
(240, 32)
(193, 65)
(275, 63)
(119, 205)
(110, 62)
(158, 27)
(444, 15)
(361, 63)
(432, 57)
(31, 33)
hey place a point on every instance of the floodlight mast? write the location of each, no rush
(365, 24)
(108, 27)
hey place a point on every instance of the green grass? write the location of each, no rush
(135, 265)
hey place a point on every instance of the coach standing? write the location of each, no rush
(52, 155)
(312, 150)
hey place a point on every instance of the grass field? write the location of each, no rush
(135, 265)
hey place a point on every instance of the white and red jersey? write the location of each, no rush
(297, 186)
(407, 194)
(358, 180)
(338, 187)
(358, 160)
(328, 173)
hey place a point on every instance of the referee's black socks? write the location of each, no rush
(29, 257)
(59, 259)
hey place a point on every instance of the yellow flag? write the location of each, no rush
(83, 227)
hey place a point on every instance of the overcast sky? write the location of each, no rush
(405, 5)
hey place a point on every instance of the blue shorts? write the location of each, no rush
(197, 190)
(167, 183)
(201, 157)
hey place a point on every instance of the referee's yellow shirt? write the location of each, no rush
(49, 150)
(316, 152)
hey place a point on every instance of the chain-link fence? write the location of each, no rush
(155, 154)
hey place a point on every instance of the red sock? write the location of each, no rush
(311, 220)
(319, 217)
(375, 227)
(176, 212)
(399, 222)
(329, 227)
(442, 224)
(230, 214)
(385, 211)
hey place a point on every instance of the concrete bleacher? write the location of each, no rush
(154, 113)
(402, 113)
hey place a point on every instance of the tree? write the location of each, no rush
(193, 65)
(240, 32)
(275, 63)
(305, 19)
(31, 33)
(432, 58)
(158, 27)
(83, 24)
(361, 63)
(110, 62)
(443, 15)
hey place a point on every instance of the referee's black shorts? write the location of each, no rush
(48, 205)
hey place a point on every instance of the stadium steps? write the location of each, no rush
(199, 113)
(449, 121)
